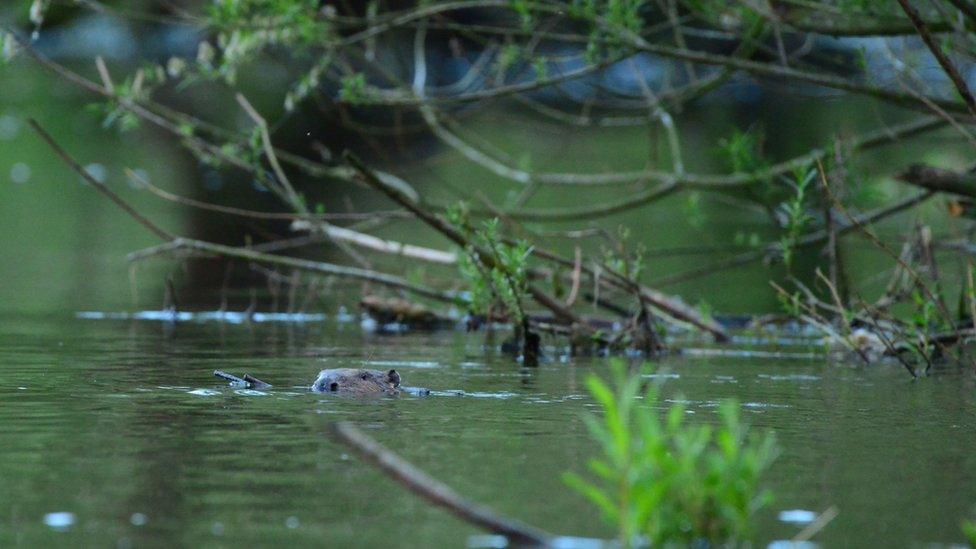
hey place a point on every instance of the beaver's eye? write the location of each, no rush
(334, 386)
(364, 375)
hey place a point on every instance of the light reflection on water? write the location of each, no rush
(121, 426)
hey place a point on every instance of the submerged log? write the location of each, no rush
(387, 310)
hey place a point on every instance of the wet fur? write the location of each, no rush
(356, 381)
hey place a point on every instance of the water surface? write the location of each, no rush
(115, 433)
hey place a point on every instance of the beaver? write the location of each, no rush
(355, 381)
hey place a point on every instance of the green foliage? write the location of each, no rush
(541, 67)
(706, 310)
(624, 14)
(353, 89)
(743, 151)
(790, 304)
(135, 89)
(499, 280)
(609, 21)
(630, 265)
(969, 531)
(246, 27)
(662, 481)
(509, 55)
(521, 8)
(925, 311)
(308, 83)
(926, 318)
(795, 214)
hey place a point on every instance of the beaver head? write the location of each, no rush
(355, 381)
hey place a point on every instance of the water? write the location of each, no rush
(115, 433)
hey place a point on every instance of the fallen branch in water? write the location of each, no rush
(671, 306)
(387, 310)
(247, 382)
(435, 491)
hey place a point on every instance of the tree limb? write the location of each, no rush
(435, 491)
(940, 180)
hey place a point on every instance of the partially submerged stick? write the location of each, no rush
(435, 491)
(671, 306)
(248, 381)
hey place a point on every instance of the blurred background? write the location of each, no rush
(65, 246)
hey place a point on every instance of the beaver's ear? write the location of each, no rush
(393, 377)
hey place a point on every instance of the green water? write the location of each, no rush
(121, 424)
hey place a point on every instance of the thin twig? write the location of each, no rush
(199, 246)
(816, 526)
(141, 182)
(74, 165)
(269, 151)
(923, 31)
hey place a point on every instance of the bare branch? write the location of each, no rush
(435, 491)
(936, 179)
(199, 246)
(940, 56)
(74, 165)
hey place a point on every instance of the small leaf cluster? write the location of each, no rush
(663, 481)
(609, 21)
(630, 265)
(133, 90)
(247, 27)
(794, 212)
(742, 151)
(969, 531)
(354, 90)
(498, 281)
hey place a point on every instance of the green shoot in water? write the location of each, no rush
(661, 480)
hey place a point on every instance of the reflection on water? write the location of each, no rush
(116, 433)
